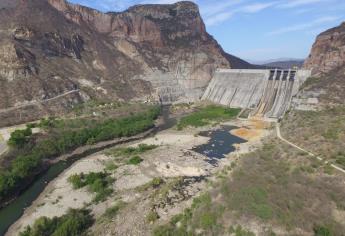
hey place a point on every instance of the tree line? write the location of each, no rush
(70, 134)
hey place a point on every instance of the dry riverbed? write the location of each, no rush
(184, 172)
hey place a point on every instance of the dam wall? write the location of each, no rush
(267, 93)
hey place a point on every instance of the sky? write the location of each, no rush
(256, 30)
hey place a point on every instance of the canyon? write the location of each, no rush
(146, 53)
(251, 135)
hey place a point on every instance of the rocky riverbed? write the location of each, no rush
(185, 174)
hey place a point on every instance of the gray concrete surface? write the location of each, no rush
(268, 92)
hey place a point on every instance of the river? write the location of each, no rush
(12, 212)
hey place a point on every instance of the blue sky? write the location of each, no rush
(256, 29)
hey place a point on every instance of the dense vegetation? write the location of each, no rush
(64, 136)
(20, 137)
(98, 183)
(74, 223)
(207, 115)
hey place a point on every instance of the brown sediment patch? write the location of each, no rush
(259, 124)
(253, 130)
(248, 134)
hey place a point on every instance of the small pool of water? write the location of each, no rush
(220, 144)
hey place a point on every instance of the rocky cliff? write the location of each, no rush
(149, 52)
(327, 63)
(328, 52)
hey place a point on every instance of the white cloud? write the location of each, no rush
(298, 3)
(304, 26)
(161, 1)
(212, 9)
(224, 15)
(256, 7)
(218, 18)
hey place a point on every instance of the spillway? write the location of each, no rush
(267, 93)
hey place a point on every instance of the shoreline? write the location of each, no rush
(182, 139)
(76, 154)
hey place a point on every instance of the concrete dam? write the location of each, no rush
(265, 93)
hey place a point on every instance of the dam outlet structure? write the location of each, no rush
(267, 94)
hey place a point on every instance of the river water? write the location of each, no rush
(11, 213)
(220, 144)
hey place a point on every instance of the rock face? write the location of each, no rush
(148, 52)
(327, 62)
(328, 52)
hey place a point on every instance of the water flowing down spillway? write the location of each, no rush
(267, 92)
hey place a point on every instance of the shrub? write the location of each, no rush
(239, 231)
(20, 137)
(136, 160)
(74, 223)
(156, 182)
(97, 183)
(112, 211)
(77, 180)
(322, 231)
(152, 216)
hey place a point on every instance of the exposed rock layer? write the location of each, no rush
(148, 52)
(328, 52)
(327, 62)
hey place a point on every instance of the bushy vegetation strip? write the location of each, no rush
(62, 137)
(98, 183)
(206, 115)
(74, 223)
(130, 151)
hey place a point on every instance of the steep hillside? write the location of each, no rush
(54, 51)
(285, 64)
(327, 62)
(328, 52)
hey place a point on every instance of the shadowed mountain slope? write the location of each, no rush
(149, 52)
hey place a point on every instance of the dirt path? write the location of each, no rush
(303, 150)
(38, 102)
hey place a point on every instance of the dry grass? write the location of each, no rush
(269, 187)
(321, 132)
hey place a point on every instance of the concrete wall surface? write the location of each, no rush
(267, 92)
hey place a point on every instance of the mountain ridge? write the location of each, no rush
(148, 53)
(327, 61)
